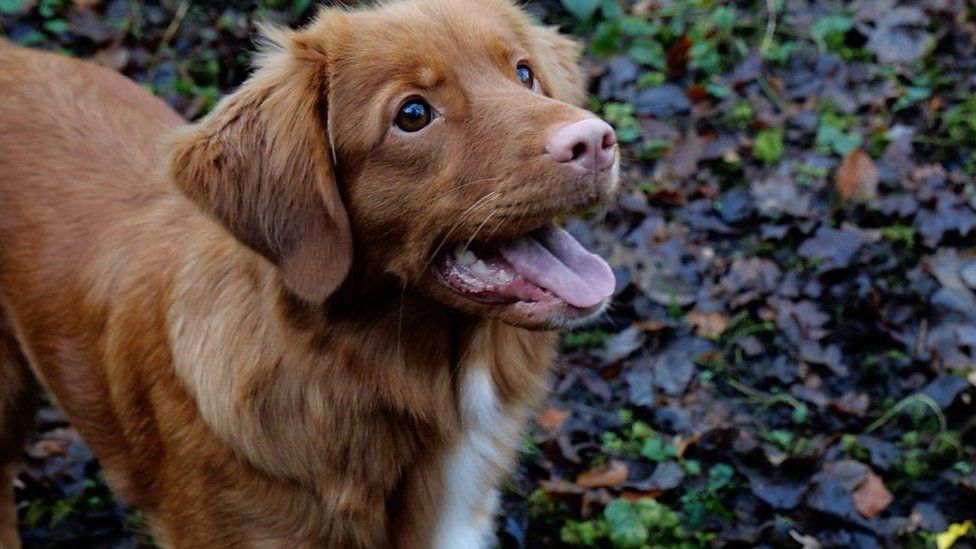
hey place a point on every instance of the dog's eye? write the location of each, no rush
(414, 116)
(526, 76)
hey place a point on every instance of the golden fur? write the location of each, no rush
(237, 315)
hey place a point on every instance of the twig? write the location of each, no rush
(177, 21)
(906, 402)
(771, 15)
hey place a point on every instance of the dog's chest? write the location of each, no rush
(475, 462)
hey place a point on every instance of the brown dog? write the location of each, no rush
(318, 317)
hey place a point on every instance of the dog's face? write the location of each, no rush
(444, 144)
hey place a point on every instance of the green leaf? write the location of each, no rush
(718, 90)
(50, 8)
(583, 10)
(650, 53)
(831, 138)
(829, 32)
(769, 146)
(607, 39)
(624, 523)
(800, 413)
(650, 79)
(655, 449)
(720, 476)
(637, 27)
(298, 7)
(621, 115)
(780, 438)
(582, 533)
(56, 26)
(11, 6)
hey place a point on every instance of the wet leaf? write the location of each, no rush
(872, 496)
(857, 177)
(611, 473)
(584, 10)
(709, 325)
(552, 419)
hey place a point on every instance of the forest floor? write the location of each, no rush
(790, 360)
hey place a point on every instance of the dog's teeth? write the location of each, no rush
(480, 268)
(464, 256)
(468, 258)
(504, 277)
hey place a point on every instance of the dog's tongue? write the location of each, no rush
(552, 259)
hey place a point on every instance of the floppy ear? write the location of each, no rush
(261, 164)
(558, 59)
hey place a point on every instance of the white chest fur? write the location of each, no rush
(475, 464)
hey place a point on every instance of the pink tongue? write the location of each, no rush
(553, 259)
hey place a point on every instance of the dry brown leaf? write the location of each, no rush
(86, 4)
(45, 448)
(560, 487)
(634, 496)
(708, 324)
(872, 497)
(115, 58)
(609, 474)
(857, 177)
(681, 444)
(552, 419)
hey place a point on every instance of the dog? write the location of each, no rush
(320, 316)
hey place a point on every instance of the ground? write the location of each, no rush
(790, 360)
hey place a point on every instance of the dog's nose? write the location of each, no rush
(588, 145)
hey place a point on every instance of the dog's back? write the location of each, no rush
(76, 142)
(68, 127)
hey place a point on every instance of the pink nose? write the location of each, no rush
(588, 145)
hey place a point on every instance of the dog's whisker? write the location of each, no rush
(481, 226)
(467, 184)
(483, 201)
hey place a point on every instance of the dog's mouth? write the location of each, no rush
(546, 266)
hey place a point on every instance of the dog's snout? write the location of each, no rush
(588, 145)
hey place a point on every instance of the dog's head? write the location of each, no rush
(432, 140)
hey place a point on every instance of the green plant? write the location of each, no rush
(701, 502)
(833, 135)
(631, 438)
(960, 121)
(655, 448)
(11, 6)
(585, 339)
(49, 8)
(621, 115)
(780, 52)
(900, 234)
(769, 146)
(830, 33)
(631, 525)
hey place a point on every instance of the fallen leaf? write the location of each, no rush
(708, 324)
(45, 448)
(552, 419)
(833, 248)
(112, 58)
(634, 496)
(901, 36)
(611, 473)
(857, 177)
(806, 542)
(947, 539)
(872, 496)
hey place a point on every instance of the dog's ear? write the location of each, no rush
(261, 163)
(558, 60)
